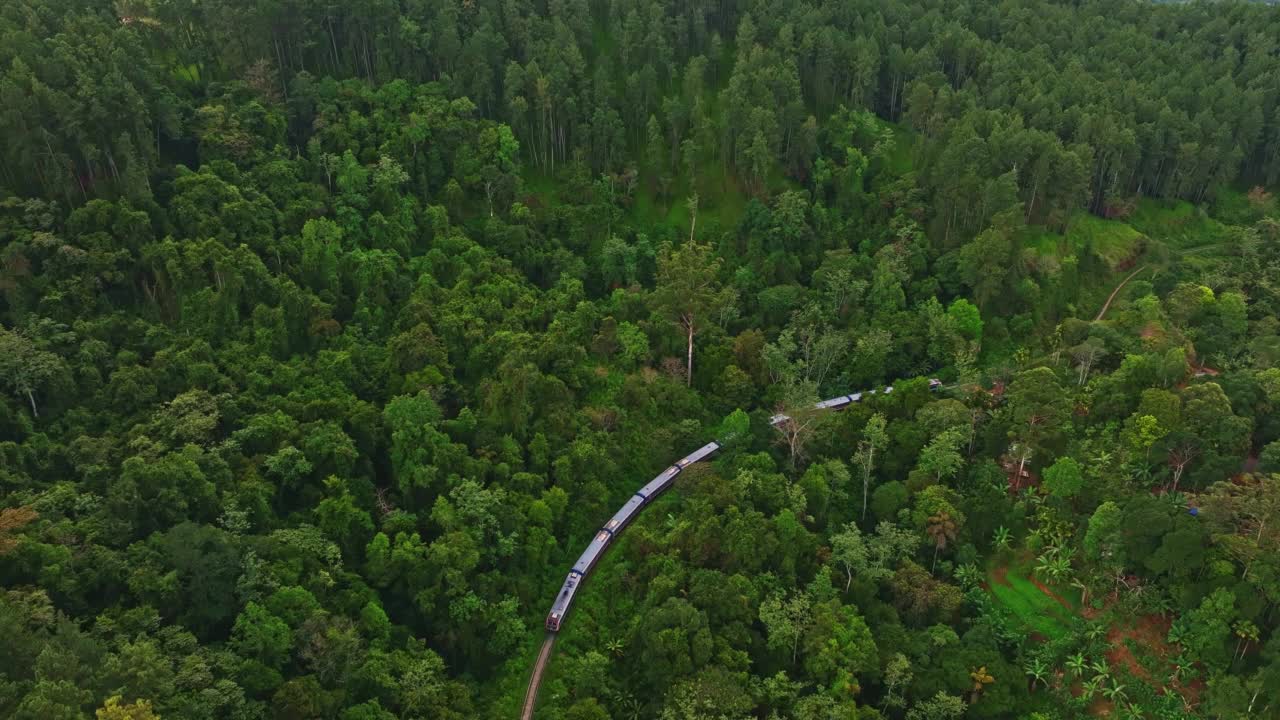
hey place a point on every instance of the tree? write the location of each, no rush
(116, 709)
(967, 318)
(1086, 354)
(1245, 517)
(981, 679)
(1064, 478)
(1205, 630)
(786, 620)
(24, 367)
(1182, 453)
(873, 436)
(874, 556)
(797, 418)
(1102, 539)
(1037, 405)
(939, 707)
(13, 520)
(1020, 453)
(262, 636)
(688, 292)
(941, 457)
(942, 529)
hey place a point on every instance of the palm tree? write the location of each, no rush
(1076, 663)
(981, 678)
(942, 529)
(1101, 667)
(1247, 632)
(1036, 669)
(615, 646)
(1091, 687)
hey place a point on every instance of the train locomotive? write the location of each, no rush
(616, 524)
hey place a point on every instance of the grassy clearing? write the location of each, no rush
(901, 160)
(1178, 224)
(1040, 612)
(1111, 241)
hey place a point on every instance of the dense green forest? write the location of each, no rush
(330, 332)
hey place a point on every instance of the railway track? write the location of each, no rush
(596, 548)
(535, 680)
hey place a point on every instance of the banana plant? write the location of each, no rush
(1077, 664)
(1002, 537)
(1036, 669)
(1115, 692)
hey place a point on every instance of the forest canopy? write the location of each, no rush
(330, 333)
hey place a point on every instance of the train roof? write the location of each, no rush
(835, 402)
(565, 597)
(624, 514)
(660, 481)
(700, 454)
(593, 552)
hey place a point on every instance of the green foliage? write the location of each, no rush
(1110, 241)
(1036, 610)
(330, 332)
(1065, 478)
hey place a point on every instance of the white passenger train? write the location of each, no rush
(646, 494)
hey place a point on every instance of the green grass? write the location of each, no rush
(1035, 609)
(901, 161)
(1047, 248)
(1178, 224)
(1231, 205)
(1111, 241)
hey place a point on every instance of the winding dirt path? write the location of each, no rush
(1115, 292)
(535, 680)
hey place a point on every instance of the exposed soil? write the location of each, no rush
(1101, 707)
(1001, 575)
(1150, 632)
(1045, 589)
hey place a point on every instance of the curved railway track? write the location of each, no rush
(645, 495)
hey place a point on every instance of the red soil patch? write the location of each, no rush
(1045, 589)
(1001, 575)
(1101, 707)
(1149, 631)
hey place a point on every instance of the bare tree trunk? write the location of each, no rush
(32, 397)
(689, 366)
(866, 477)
